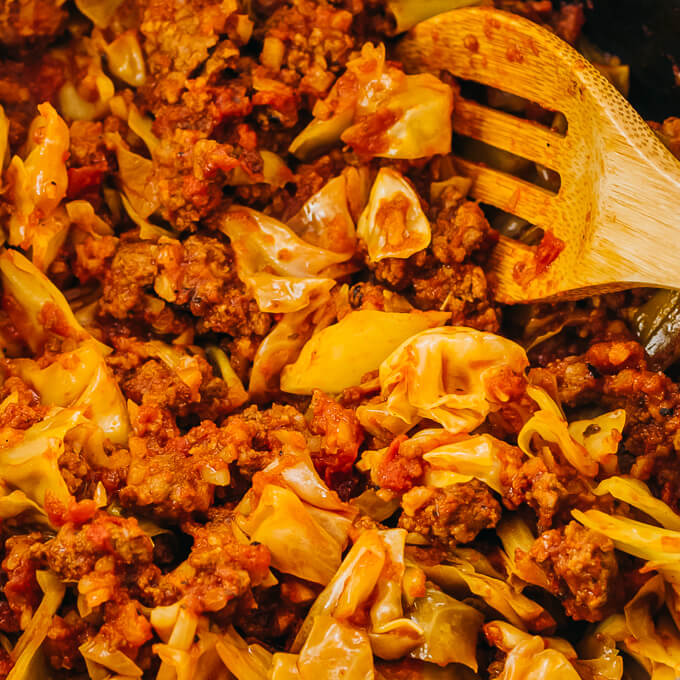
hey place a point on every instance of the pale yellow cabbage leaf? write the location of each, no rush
(393, 223)
(35, 631)
(335, 650)
(585, 444)
(81, 380)
(420, 106)
(372, 572)
(338, 356)
(125, 59)
(244, 661)
(31, 291)
(478, 457)
(450, 629)
(299, 545)
(447, 375)
(99, 12)
(637, 493)
(653, 634)
(324, 220)
(32, 464)
(284, 342)
(458, 576)
(282, 271)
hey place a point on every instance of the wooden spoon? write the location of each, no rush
(617, 209)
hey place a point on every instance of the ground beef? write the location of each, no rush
(219, 567)
(26, 410)
(340, 434)
(27, 23)
(443, 276)
(200, 274)
(23, 555)
(581, 568)
(178, 478)
(73, 552)
(452, 515)
(65, 634)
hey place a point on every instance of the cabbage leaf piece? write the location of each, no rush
(14, 503)
(125, 59)
(284, 342)
(450, 629)
(652, 632)
(325, 220)
(28, 295)
(585, 444)
(480, 457)
(457, 576)
(371, 573)
(660, 547)
(637, 493)
(31, 465)
(393, 223)
(282, 271)
(28, 645)
(135, 174)
(38, 183)
(417, 109)
(451, 375)
(304, 524)
(244, 661)
(81, 380)
(532, 657)
(338, 356)
(335, 650)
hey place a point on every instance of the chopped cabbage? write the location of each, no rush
(450, 629)
(447, 375)
(417, 109)
(28, 645)
(338, 356)
(81, 380)
(31, 465)
(282, 271)
(393, 223)
(32, 291)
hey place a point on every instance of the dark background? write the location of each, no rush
(646, 35)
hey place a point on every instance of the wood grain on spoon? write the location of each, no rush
(618, 206)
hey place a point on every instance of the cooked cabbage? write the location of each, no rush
(371, 573)
(299, 545)
(417, 107)
(282, 271)
(38, 183)
(284, 342)
(393, 223)
(585, 444)
(135, 174)
(450, 629)
(449, 375)
(325, 221)
(125, 59)
(99, 12)
(637, 493)
(338, 356)
(4, 140)
(31, 464)
(35, 631)
(477, 457)
(32, 295)
(246, 662)
(81, 380)
(335, 650)
(457, 576)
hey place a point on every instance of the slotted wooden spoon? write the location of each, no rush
(618, 207)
